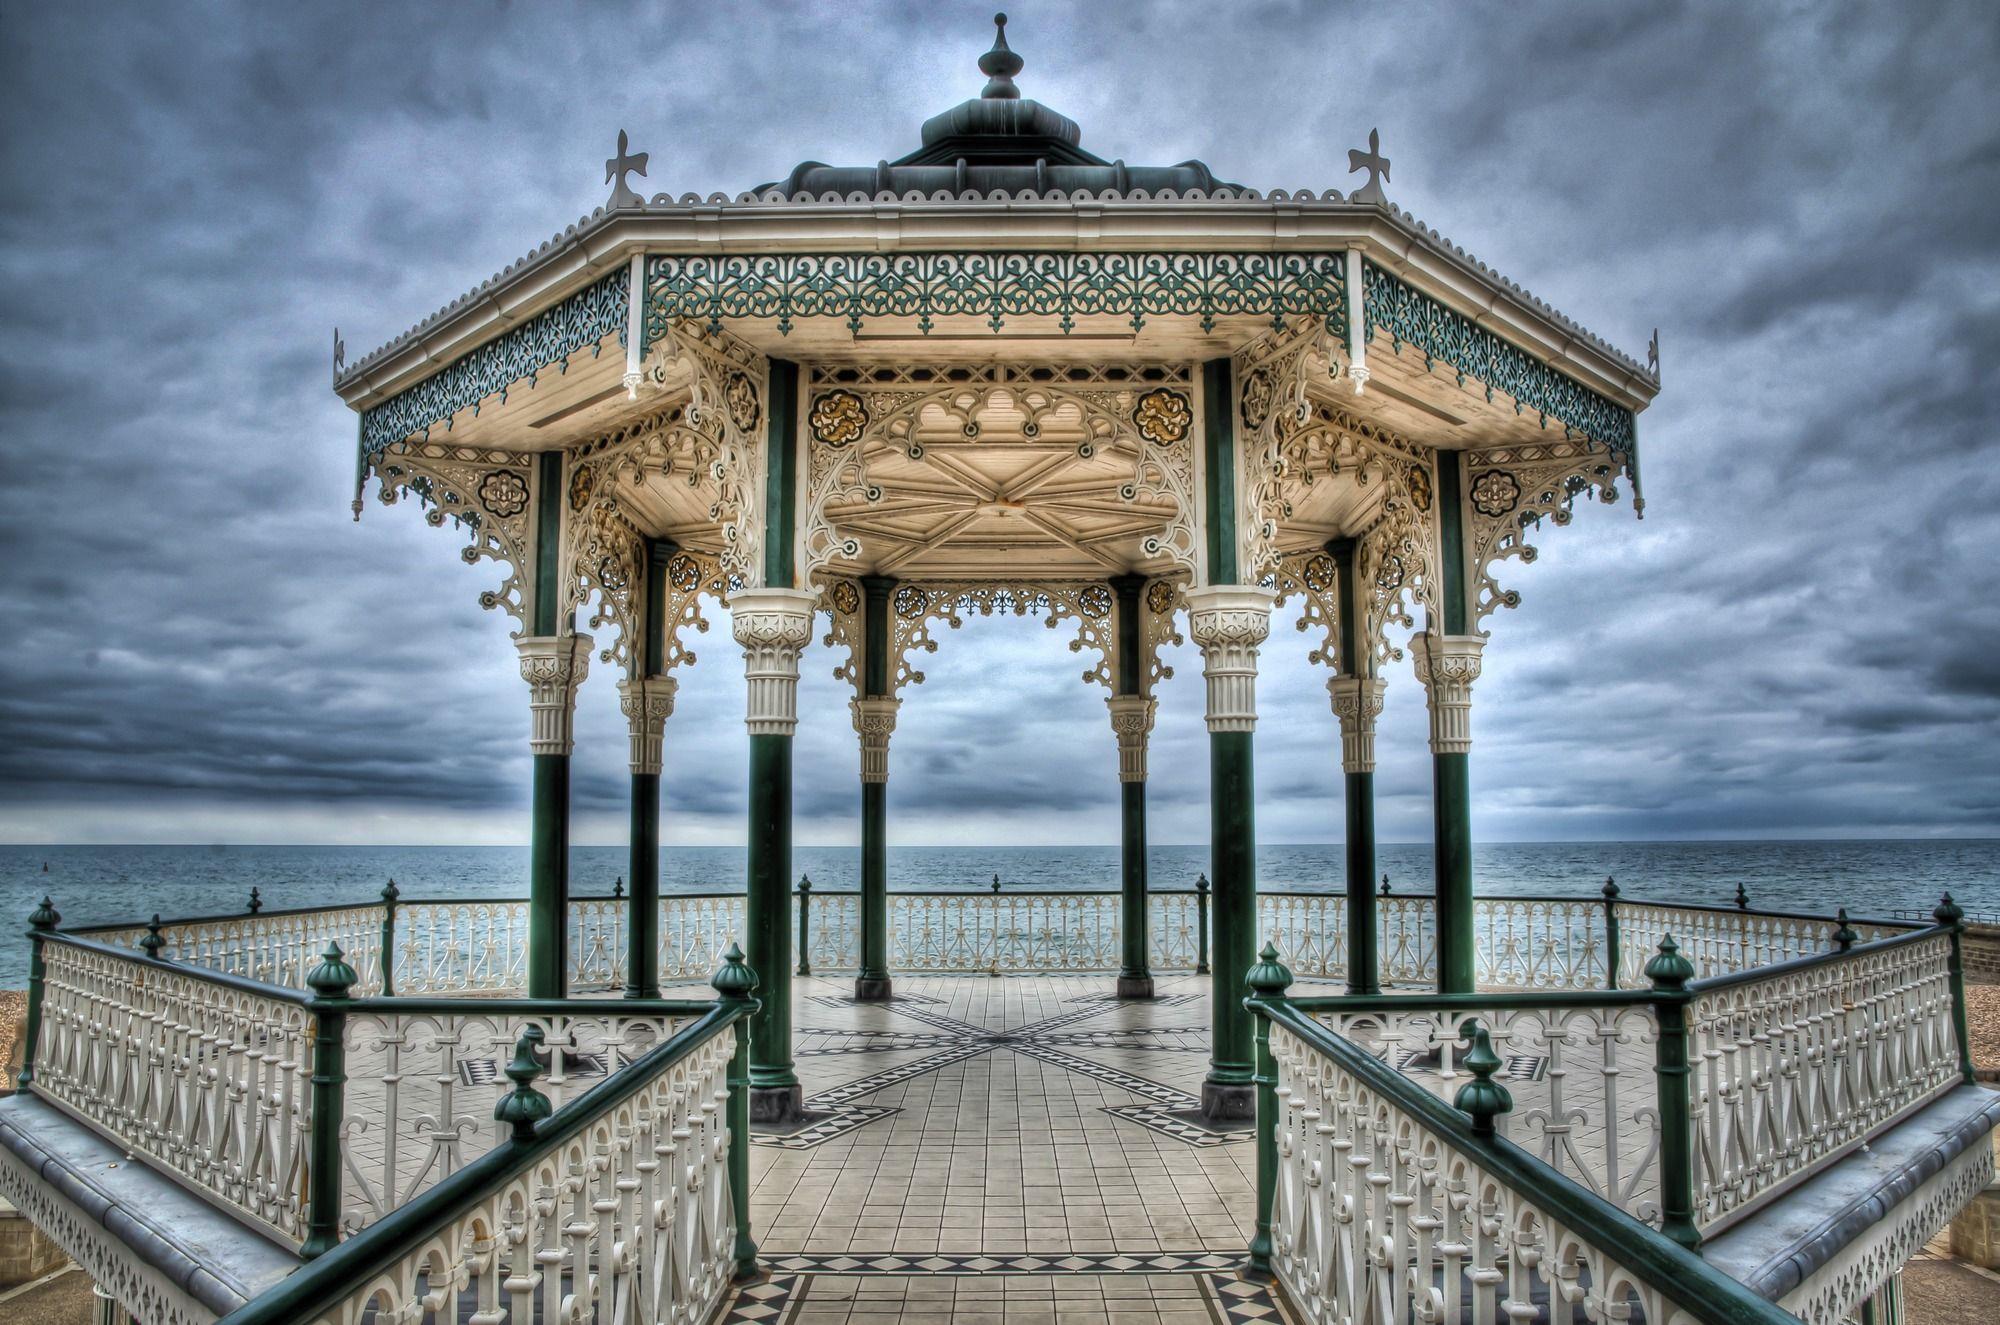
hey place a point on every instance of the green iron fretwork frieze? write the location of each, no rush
(996, 286)
(1413, 318)
(580, 322)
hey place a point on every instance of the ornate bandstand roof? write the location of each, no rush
(994, 302)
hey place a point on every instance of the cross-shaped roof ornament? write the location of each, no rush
(1653, 355)
(1375, 164)
(617, 168)
(339, 354)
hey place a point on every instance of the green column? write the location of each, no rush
(1357, 703)
(773, 624)
(553, 667)
(648, 700)
(1447, 663)
(874, 719)
(1228, 621)
(1132, 722)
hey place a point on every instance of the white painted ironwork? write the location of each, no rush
(1173, 930)
(421, 1087)
(468, 947)
(1379, 1217)
(207, 1081)
(1539, 943)
(1720, 941)
(1797, 1067)
(629, 1218)
(999, 932)
(1586, 1101)
(273, 947)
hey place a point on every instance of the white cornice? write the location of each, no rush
(600, 243)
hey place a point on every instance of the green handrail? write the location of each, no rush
(1648, 1255)
(349, 1266)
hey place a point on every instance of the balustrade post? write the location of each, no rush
(1611, 954)
(1201, 924)
(41, 923)
(736, 983)
(524, 1106)
(993, 965)
(1844, 937)
(805, 924)
(1267, 982)
(1483, 1099)
(1669, 973)
(256, 901)
(331, 981)
(1949, 915)
(390, 892)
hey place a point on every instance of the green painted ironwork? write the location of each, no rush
(1952, 916)
(735, 985)
(1451, 827)
(1669, 973)
(784, 287)
(1481, 1099)
(768, 909)
(549, 339)
(1611, 945)
(41, 923)
(1219, 468)
(1201, 886)
(1267, 982)
(1364, 959)
(1135, 976)
(548, 878)
(805, 925)
(1410, 317)
(1233, 862)
(872, 980)
(781, 475)
(523, 1107)
(390, 892)
(331, 982)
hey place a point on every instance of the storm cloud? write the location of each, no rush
(1801, 638)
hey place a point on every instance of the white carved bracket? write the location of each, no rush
(488, 492)
(1509, 490)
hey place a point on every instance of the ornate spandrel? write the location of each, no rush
(1314, 579)
(904, 459)
(1510, 490)
(488, 492)
(1274, 379)
(916, 604)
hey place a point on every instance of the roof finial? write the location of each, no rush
(1000, 65)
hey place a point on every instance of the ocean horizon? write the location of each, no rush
(1878, 877)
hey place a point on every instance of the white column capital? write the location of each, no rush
(1132, 723)
(553, 666)
(875, 723)
(1228, 622)
(772, 625)
(1357, 702)
(1447, 665)
(647, 702)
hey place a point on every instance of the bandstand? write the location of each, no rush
(852, 408)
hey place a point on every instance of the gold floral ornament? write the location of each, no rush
(1163, 416)
(1320, 572)
(838, 418)
(504, 493)
(1160, 597)
(581, 485)
(740, 394)
(1420, 488)
(1258, 390)
(846, 598)
(911, 602)
(683, 572)
(1495, 493)
(1095, 601)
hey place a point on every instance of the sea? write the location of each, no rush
(108, 884)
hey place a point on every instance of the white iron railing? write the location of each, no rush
(1794, 1067)
(422, 1081)
(1726, 941)
(206, 1078)
(273, 948)
(461, 947)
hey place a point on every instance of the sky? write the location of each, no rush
(1801, 639)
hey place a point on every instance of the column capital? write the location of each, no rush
(772, 625)
(647, 702)
(875, 722)
(1446, 666)
(553, 666)
(1132, 723)
(1357, 702)
(1228, 622)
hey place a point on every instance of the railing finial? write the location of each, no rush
(333, 977)
(805, 883)
(1844, 937)
(45, 916)
(1610, 889)
(256, 900)
(1201, 884)
(153, 941)
(996, 884)
(735, 979)
(1948, 912)
(1742, 899)
(1482, 1097)
(1269, 978)
(390, 892)
(618, 887)
(1669, 970)
(1385, 883)
(524, 1106)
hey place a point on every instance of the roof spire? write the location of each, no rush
(1000, 65)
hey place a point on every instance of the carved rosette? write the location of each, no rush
(772, 625)
(1132, 723)
(1357, 703)
(875, 723)
(647, 702)
(1447, 665)
(1228, 622)
(553, 666)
